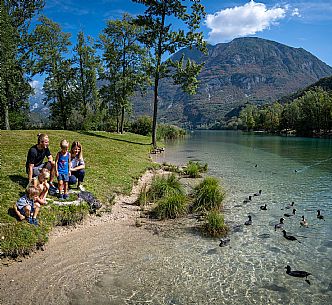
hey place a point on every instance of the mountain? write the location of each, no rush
(245, 69)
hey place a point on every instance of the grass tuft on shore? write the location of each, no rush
(215, 225)
(171, 206)
(113, 162)
(208, 195)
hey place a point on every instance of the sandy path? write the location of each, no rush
(76, 257)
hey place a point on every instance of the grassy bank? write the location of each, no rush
(113, 162)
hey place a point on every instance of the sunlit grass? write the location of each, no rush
(113, 163)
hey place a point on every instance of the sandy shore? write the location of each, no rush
(69, 258)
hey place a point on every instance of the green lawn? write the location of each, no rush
(113, 162)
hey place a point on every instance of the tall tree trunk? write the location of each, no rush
(155, 111)
(83, 90)
(122, 118)
(7, 125)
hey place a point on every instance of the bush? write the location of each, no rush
(208, 195)
(142, 126)
(164, 186)
(171, 206)
(170, 132)
(215, 225)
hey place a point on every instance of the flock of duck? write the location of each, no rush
(280, 225)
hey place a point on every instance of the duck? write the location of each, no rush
(319, 216)
(298, 273)
(247, 199)
(280, 224)
(263, 207)
(224, 242)
(304, 222)
(289, 237)
(259, 193)
(289, 215)
(249, 221)
(290, 205)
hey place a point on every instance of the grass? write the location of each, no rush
(171, 206)
(208, 195)
(215, 225)
(163, 186)
(113, 162)
(193, 169)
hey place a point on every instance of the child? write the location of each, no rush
(40, 182)
(77, 165)
(62, 162)
(27, 207)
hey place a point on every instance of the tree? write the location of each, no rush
(247, 116)
(160, 36)
(125, 59)
(14, 59)
(88, 65)
(51, 48)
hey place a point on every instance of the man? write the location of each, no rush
(35, 158)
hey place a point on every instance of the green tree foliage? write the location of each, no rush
(14, 60)
(51, 49)
(308, 115)
(86, 97)
(160, 36)
(124, 58)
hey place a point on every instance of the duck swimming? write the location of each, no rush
(298, 273)
(247, 199)
(263, 207)
(259, 193)
(303, 222)
(289, 215)
(319, 216)
(290, 205)
(289, 237)
(249, 221)
(280, 224)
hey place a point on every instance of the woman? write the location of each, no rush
(77, 165)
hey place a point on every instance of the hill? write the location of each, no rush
(244, 70)
(325, 83)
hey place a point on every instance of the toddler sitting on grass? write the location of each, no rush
(27, 207)
(40, 182)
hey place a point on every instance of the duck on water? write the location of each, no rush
(289, 237)
(279, 225)
(290, 215)
(298, 273)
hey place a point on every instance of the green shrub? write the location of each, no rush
(163, 186)
(208, 195)
(142, 126)
(171, 206)
(170, 132)
(215, 225)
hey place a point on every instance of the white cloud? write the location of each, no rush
(35, 84)
(242, 21)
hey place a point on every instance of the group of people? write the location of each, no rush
(68, 167)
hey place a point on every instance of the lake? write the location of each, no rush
(252, 268)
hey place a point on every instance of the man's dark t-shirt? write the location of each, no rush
(36, 156)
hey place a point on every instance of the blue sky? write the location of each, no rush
(296, 23)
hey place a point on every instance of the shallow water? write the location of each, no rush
(286, 170)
